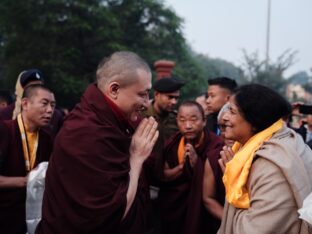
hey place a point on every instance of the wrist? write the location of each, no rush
(136, 162)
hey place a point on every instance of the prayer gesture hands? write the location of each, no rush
(226, 155)
(191, 154)
(143, 140)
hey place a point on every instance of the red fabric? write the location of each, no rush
(87, 178)
(182, 208)
(12, 163)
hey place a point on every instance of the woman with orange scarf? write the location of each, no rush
(268, 171)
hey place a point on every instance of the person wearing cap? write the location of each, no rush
(25, 79)
(218, 93)
(162, 108)
(23, 145)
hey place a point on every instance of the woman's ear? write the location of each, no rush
(113, 90)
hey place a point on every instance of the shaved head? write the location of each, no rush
(121, 67)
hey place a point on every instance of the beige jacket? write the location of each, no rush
(279, 180)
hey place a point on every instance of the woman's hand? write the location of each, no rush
(226, 155)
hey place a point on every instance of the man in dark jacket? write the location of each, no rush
(218, 93)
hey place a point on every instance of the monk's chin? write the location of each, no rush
(134, 117)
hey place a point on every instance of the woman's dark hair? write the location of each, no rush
(260, 105)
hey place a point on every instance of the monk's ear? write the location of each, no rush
(24, 102)
(113, 90)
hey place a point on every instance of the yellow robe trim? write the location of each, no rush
(30, 144)
(181, 150)
(237, 170)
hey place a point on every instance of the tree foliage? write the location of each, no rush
(268, 73)
(67, 38)
(62, 38)
(214, 67)
(302, 78)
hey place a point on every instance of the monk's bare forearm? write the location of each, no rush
(213, 207)
(141, 147)
(134, 174)
(12, 182)
(172, 173)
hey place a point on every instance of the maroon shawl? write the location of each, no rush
(88, 175)
(181, 202)
(12, 163)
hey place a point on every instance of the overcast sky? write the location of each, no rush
(222, 28)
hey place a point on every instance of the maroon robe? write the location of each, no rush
(12, 163)
(181, 202)
(88, 175)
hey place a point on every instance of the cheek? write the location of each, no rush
(180, 126)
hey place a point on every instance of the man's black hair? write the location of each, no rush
(223, 82)
(31, 89)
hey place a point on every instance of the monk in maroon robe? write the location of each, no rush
(95, 182)
(185, 154)
(13, 169)
(25, 79)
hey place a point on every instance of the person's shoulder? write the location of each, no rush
(173, 139)
(172, 114)
(45, 134)
(7, 131)
(149, 111)
(171, 120)
(7, 112)
(4, 125)
(8, 124)
(213, 138)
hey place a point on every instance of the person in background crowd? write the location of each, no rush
(185, 156)
(23, 145)
(268, 171)
(219, 92)
(5, 98)
(221, 123)
(201, 99)
(163, 109)
(95, 182)
(305, 130)
(26, 78)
